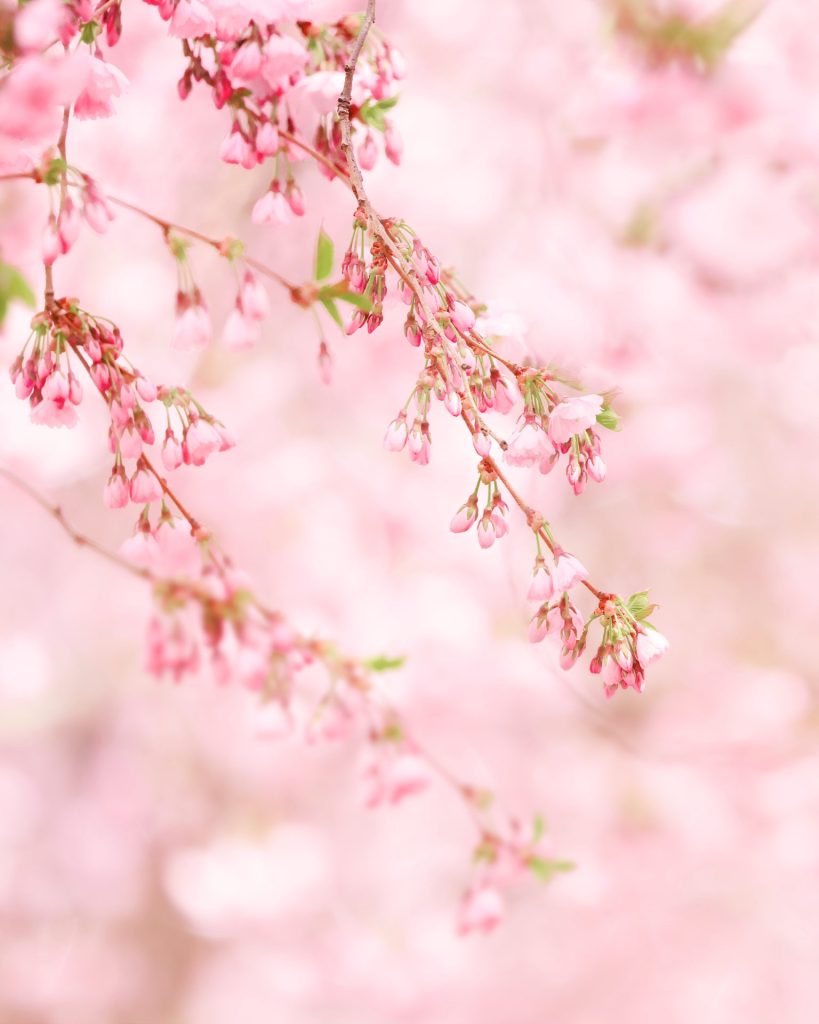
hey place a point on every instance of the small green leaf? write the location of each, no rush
(547, 869)
(538, 828)
(355, 299)
(639, 605)
(332, 309)
(373, 114)
(383, 663)
(609, 419)
(90, 31)
(13, 286)
(324, 256)
(54, 171)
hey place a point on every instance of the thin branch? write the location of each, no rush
(80, 539)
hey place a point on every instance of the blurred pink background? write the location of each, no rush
(657, 230)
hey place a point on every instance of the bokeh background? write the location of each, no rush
(656, 229)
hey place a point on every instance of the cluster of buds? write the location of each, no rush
(629, 643)
(65, 336)
(393, 767)
(84, 202)
(501, 861)
(492, 523)
(464, 371)
(264, 71)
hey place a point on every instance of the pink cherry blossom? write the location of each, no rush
(573, 416)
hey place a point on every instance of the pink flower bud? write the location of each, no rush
(465, 516)
(146, 389)
(481, 443)
(253, 297)
(462, 316)
(396, 437)
(295, 200)
(267, 139)
(171, 452)
(144, 487)
(486, 531)
(115, 494)
(452, 401)
(367, 153)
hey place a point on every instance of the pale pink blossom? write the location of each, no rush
(191, 19)
(235, 149)
(267, 139)
(282, 57)
(567, 572)
(116, 493)
(481, 910)
(367, 153)
(144, 488)
(529, 444)
(651, 645)
(141, 548)
(201, 440)
(271, 208)
(104, 83)
(542, 586)
(393, 143)
(193, 329)
(172, 456)
(253, 297)
(240, 332)
(38, 23)
(573, 416)
(247, 62)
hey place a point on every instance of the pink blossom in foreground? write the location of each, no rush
(482, 910)
(573, 416)
(104, 83)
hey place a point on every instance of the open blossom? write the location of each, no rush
(240, 332)
(253, 297)
(193, 329)
(567, 572)
(529, 445)
(191, 19)
(201, 440)
(542, 587)
(235, 149)
(271, 208)
(573, 416)
(651, 645)
(283, 57)
(145, 488)
(104, 83)
(481, 910)
(392, 773)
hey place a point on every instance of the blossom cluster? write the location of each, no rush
(280, 75)
(64, 338)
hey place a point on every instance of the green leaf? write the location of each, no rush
(55, 170)
(639, 605)
(538, 828)
(355, 299)
(547, 869)
(373, 114)
(383, 663)
(324, 256)
(90, 31)
(609, 419)
(13, 286)
(332, 309)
